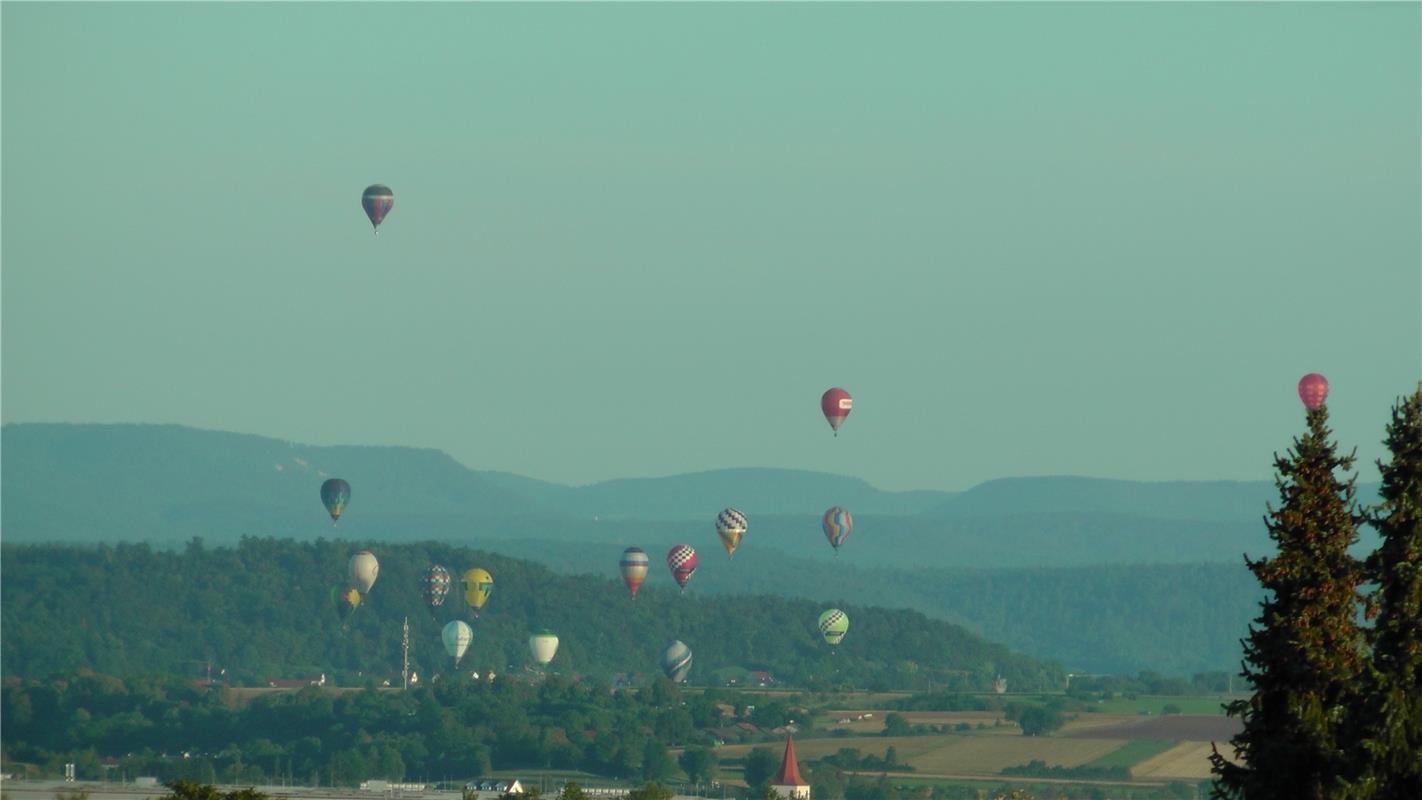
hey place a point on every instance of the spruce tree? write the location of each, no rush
(1390, 720)
(1303, 654)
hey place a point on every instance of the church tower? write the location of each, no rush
(788, 783)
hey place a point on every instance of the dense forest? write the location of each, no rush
(264, 609)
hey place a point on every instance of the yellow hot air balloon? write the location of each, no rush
(478, 585)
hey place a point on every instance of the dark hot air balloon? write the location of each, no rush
(377, 202)
(335, 494)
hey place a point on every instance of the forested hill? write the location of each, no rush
(265, 609)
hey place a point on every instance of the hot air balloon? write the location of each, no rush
(543, 645)
(457, 635)
(346, 599)
(833, 625)
(730, 526)
(377, 201)
(634, 569)
(1313, 390)
(364, 570)
(682, 560)
(676, 661)
(836, 403)
(335, 493)
(837, 524)
(436, 585)
(478, 584)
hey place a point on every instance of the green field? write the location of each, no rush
(1132, 753)
(1188, 704)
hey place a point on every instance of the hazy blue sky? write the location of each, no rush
(634, 239)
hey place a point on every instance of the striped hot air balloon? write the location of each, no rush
(730, 526)
(634, 569)
(836, 403)
(682, 561)
(838, 524)
(377, 200)
(676, 661)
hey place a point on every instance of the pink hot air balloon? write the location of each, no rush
(835, 404)
(1313, 390)
(682, 560)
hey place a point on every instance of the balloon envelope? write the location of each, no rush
(634, 568)
(833, 625)
(377, 200)
(457, 635)
(835, 404)
(364, 570)
(346, 599)
(838, 524)
(436, 585)
(543, 645)
(1313, 390)
(478, 584)
(335, 493)
(731, 526)
(676, 661)
(682, 561)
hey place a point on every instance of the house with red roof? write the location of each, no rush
(787, 782)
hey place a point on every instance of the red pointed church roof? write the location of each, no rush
(789, 774)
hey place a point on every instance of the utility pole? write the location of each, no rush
(405, 672)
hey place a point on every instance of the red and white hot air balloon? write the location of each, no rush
(836, 404)
(682, 561)
(1313, 390)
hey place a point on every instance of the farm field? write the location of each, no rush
(956, 754)
(1208, 705)
(1187, 761)
(830, 720)
(1193, 728)
(1130, 753)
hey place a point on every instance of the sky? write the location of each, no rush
(636, 239)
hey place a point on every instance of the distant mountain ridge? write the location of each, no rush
(167, 484)
(1212, 501)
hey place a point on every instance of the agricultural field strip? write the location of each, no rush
(962, 754)
(1132, 753)
(1189, 761)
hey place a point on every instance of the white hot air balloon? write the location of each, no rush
(457, 635)
(543, 645)
(364, 570)
(676, 661)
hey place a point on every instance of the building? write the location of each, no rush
(500, 785)
(787, 782)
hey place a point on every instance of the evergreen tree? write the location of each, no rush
(1303, 655)
(1390, 722)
